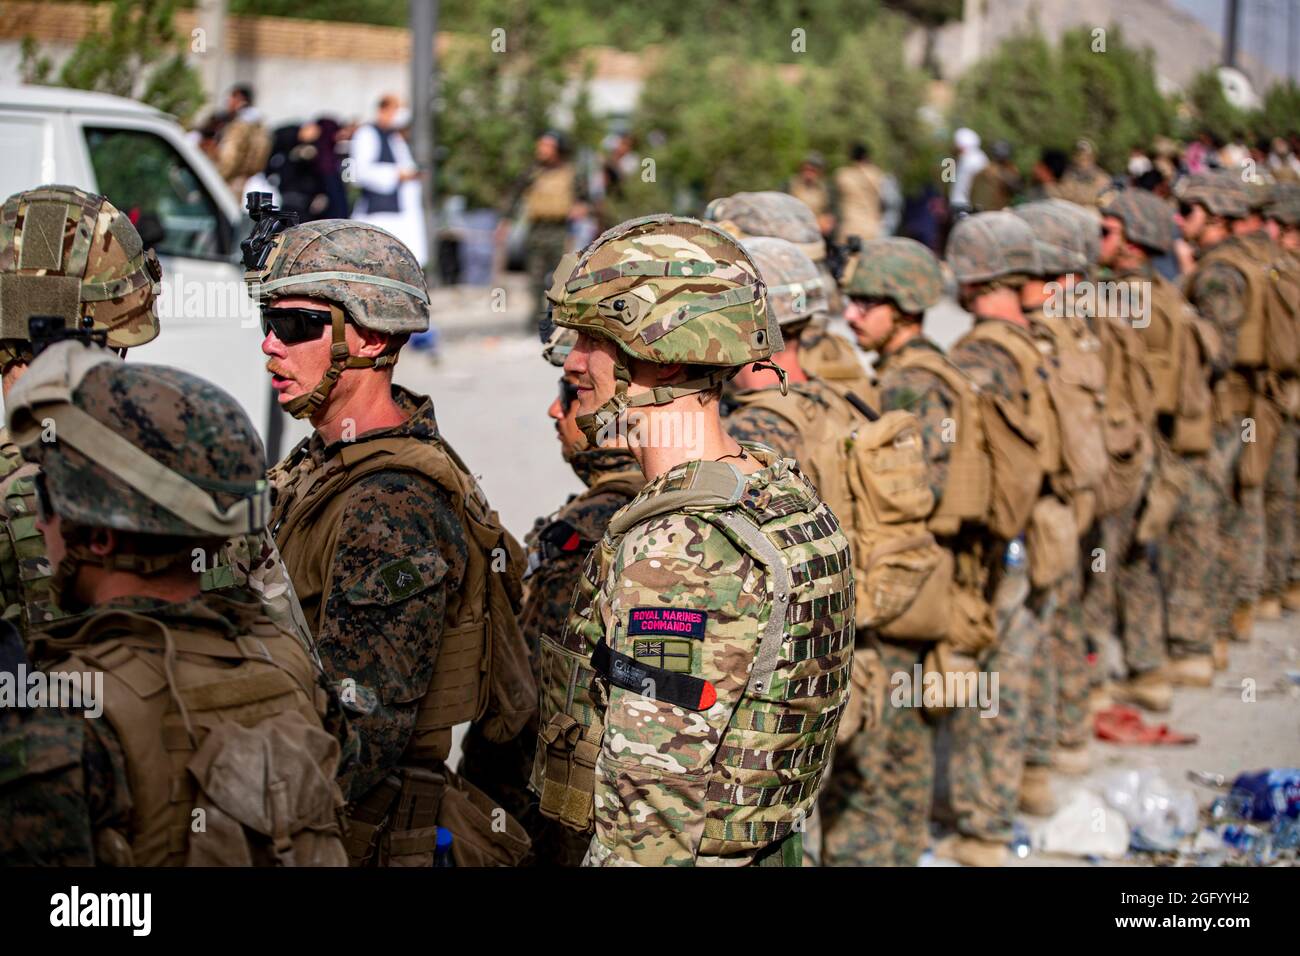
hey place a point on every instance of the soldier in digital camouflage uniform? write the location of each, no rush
(557, 546)
(73, 255)
(1284, 213)
(991, 254)
(690, 704)
(877, 803)
(1180, 505)
(1213, 206)
(202, 701)
(386, 535)
(823, 353)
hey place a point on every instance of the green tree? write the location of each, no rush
(1037, 96)
(140, 56)
(1210, 107)
(1280, 113)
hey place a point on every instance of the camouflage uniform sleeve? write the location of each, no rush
(989, 367)
(401, 553)
(1219, 293)
(62, 779)
(766, 427)
(656, 756)
(927, 397)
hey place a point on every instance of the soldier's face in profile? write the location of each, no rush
(1291, 237)
(1112, 239)
(872, 321)
(1192, 221)
(296, 367)
(564, 412)
(590, 367)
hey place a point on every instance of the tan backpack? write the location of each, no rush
(1269, 336)
(1181, 347)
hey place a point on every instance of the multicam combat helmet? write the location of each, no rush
(665, 289)
(1220, 193)
(1148, 220)
(366, 274)
(769, 213)
(141, 448)
(72, 254)
(901, 270)
(796, 288)
(992, 245)
(1059, 234)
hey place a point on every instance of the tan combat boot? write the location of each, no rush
(1221, 653)
(1196, 670)
(1100, 697)
(1243, 621)
(1150, 690)
(969, 851)
(1291, 599)
(1036, 795)
(1074, 761)
(1269, 608)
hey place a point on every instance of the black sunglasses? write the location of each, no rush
(294, 325)
(568, 394)
(43, 507)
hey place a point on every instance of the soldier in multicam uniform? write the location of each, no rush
(90, 269)
(206, 702)
(557, 546)
(690, 705)
(68, 253)
(1214, 208)
(877, 803)
(404, 572)
(1179, 506)
(822, 353)
(991, 255)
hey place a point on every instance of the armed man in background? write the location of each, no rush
(557, 547)
(706, 655)
(992, 255)
(208, 704)
(859, 197)
(877, 804)
(409, 581)
(1180, 504)
(822, 353)
(1229, 288)
(1083, 182)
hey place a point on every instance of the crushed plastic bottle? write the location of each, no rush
(1014, 557)
(442, 849)
(1267, 794)
(1159, 815)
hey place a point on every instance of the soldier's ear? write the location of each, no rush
(103, 542)
(371, 344)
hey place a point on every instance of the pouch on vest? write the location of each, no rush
(1016, 467)
(894, 553)
(1129, 447)
(866, 701)
(1052, 539)
(1252, 465)
(1162, 500)
(953, 668)
(1268, 336)
(1077, 391)
(266, 796)
(973, 628)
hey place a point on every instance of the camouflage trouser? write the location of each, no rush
(877, 806)
(1045, 677)
(1190, 572)
(1231, 556)
(1279, 510)
(1122, 590)
(1250, 537)
(1069, 651)
(988, 752)
(546, 242)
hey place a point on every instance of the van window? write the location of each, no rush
(22, 144)
(144, 176)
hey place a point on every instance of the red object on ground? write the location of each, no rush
(1123, 725)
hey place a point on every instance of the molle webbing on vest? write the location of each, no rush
(1268, 336)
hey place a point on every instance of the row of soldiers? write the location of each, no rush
(702, 639)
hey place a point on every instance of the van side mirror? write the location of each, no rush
(151, 229)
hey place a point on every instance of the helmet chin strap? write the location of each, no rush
(304, 406)
(595, 426)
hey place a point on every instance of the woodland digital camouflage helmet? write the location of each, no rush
(73, 254)
(796, 288)
(1221, 193)
(665, 289)
(769, 213)
(992, 245)
(1057, 230)
(368, 277)
(1148, 220)
(898, 269)
(141, 448)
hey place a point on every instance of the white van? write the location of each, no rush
(142, 161)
